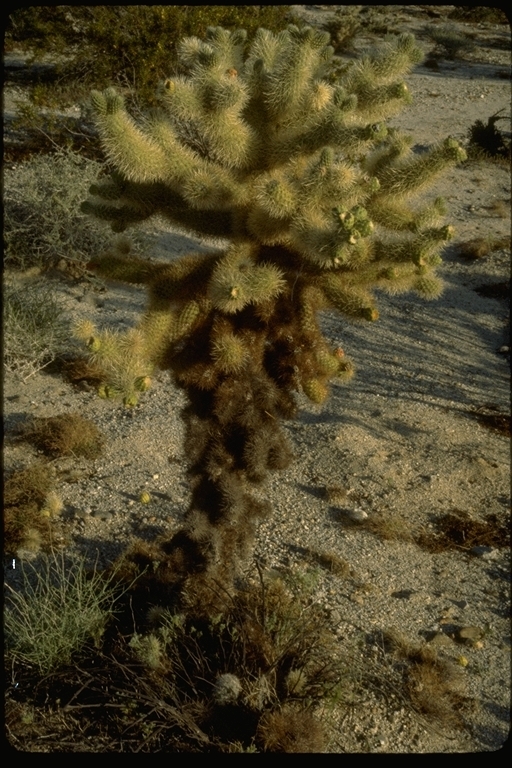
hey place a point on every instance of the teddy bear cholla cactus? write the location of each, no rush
(280, 151)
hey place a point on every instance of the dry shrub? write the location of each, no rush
(434, 685)
(269, 655)
(479, 247)
(80, 369)
(458, 529)
(389, 526)
(68, 434)
(486, 141)
(35, 329)
(290, 730)
(25, 494)
(330, 561)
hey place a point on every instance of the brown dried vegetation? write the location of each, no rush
(68, 434)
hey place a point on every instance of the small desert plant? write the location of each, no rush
(480, 247)
(434, 685)
(476, 14)
(59, 608)
(42, 219)
(27, 493)
(449, 41)
(343, 27)
(389, 526)
(34, 327)
(68, 434)
(487, 140)
(290, 730)
(253, 672)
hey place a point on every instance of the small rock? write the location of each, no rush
(440, 639)
(357, 514)
(102, 514)
(486, 553)
(469, 635)
(357, 598)
(82, 514)
(504, 350)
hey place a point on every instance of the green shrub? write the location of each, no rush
(58, 610)
(132, 46)
(451, 42)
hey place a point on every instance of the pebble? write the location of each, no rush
(440, 639)
(356, 514)
(469, 635)
(102, 514)
(486, 553)
(82, 514)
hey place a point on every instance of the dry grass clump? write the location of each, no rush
(68, 434)
(434, 685)
(389, 526)
(336, 494)
(329, 561)
(458, 530)
(290, 730)
(500, 209)
(480, 247)
(28, 494)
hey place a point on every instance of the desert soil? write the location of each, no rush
(401, 440)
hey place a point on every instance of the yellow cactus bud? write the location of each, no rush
(315, 390)
(142, 383)
(53, 505)
(85, 330)
(144, 497)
